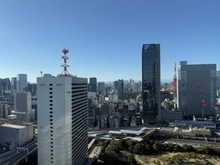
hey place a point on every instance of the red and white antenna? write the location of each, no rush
(65, 73)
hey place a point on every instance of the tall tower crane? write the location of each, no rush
(203, 104)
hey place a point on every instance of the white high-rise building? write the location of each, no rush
(21, 82)
(62, 120)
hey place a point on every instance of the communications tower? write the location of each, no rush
(174, 87)
(65, 73)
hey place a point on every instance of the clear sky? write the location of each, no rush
(105, 37)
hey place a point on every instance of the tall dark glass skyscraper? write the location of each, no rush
(92, 84)
(151, 82)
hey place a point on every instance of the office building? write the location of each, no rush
(93, 84)
(136, 87)
(119, 85)
(62, 119)
(22, 104)
(196, 89)
(13, 83)
(151, 82)
(32, 88)
(21, 82)
(4, 86)
(101, 87)
(218, 80)
(105, 109)
(4, 109)
(91, 113)
(19, 134)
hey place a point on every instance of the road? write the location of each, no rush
(93, 154)
(19, 154)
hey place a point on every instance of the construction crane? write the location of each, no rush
(203, 101)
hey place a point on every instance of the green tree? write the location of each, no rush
(177, 148)
(149, 148)
(131, 148)
(204, 149)
(139, 148)
(122, 145)
(157, 146)
(188, 148)
(131, 159)
(112, 148)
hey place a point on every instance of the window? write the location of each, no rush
(51, 104)
(51, 92)
(51, 84)
(51, 96)
(51, 119)
(51, 112)
(51, 88)
(51, 115)
(51, 100)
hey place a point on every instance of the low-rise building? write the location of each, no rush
(17, 134)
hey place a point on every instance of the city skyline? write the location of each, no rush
(105, 38)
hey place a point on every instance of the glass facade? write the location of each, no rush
(150, 81)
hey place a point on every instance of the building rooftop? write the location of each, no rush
(193, 122)
(134, 132)
(13, 126)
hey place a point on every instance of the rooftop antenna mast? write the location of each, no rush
(65, 73)
(41, 73)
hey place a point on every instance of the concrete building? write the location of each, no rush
(62, 120)
(168, 115)
(136, 87)
(22, 104)
(17, 134)
(32, 88)
(13, 85)
(4, 110)
(119, 85)
(91, 113)
(105, 109)
(113, 98)
(4, 85)
(92, 84)
(21, 82)
(101, 87)
(151, 83)
(196, 89)
(218, 80)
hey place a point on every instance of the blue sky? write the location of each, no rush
(105, 37)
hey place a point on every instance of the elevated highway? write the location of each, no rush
(19, 154)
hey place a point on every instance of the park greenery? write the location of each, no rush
(113, 151)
